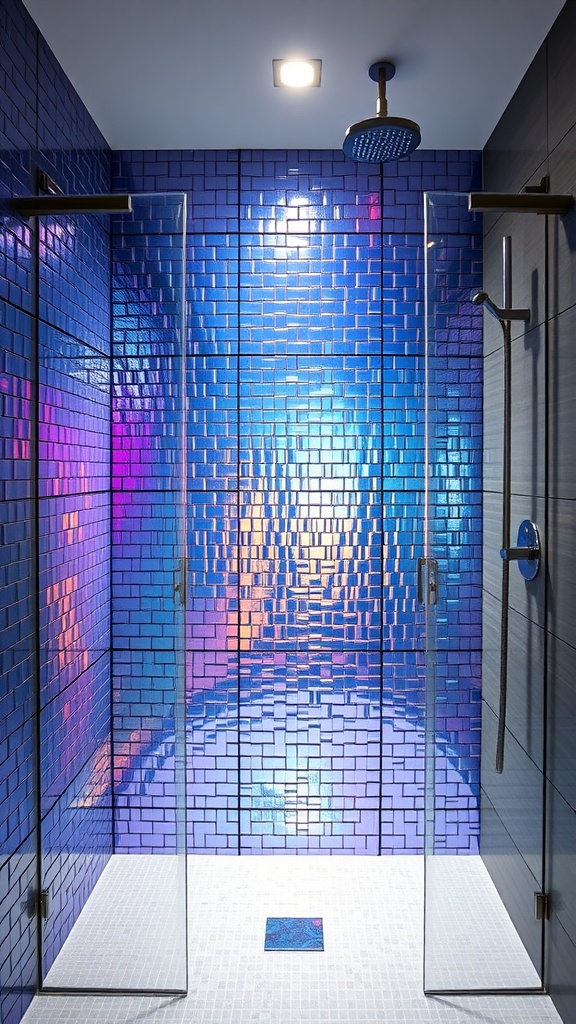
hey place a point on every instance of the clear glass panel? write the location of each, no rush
(483, 855)
(112, 617)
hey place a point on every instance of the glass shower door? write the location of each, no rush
(112, 716)
(483, 842)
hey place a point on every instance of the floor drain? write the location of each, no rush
(305, 933)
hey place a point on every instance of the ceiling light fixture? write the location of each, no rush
(297, 74)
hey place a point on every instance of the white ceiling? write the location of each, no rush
(197, 74)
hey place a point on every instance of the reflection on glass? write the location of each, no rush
(121, 924)
(474, 940)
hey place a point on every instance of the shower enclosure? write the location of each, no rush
(471, 942)
(111, 474)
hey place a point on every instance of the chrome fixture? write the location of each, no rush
(483, 299)
(381, 138)
(524, 202)
(527, 552)
(41, 206)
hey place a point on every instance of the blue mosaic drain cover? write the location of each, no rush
(294, 933)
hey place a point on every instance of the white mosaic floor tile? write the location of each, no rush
(369, 972)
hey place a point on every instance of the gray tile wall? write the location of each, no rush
(536, 794)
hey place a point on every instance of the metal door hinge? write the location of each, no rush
(427, 581)
(42, 903)
(181, 581)
(541, 906)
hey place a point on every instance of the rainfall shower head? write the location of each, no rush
(381, 138)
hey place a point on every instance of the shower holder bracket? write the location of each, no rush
(527, 550)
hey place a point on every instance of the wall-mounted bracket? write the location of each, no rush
(52, 205)
(523, 202)
(527, 550)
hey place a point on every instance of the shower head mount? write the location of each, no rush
(381, 138)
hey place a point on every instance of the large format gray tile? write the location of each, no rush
(526, 597)
(528, 445)
(525, 691)
(518, 144)
(516, 794)
(561, 94)
(561, 688)
(513, 879)
(493, 420)
(527, 232)
(559, 972)
(562, 230)
(561, 860)
(562, 405)
(561, 558)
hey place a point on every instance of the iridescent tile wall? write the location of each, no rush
(305, 666)
(148, 507)
(73, 512)
(54, 525)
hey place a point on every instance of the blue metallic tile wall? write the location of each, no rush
(67, 137)
(307, 294)
(74, 584)
(208, 177)
(43, 123)
(457, 762)
(144, 750)
(212, 619)
(147, 506)
(74, 597)
(310, 515)
(302, 328)
(309, 751)
(285, 192)
(402, 740)
(212, 389)
(18, 937)
(213, 294)
(454, 512)
(212, 697)
(76, 844)
(146, 551)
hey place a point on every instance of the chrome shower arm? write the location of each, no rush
(502, 202)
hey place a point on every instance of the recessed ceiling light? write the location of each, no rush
(297, 74)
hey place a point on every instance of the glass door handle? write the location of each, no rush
(427, 581)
